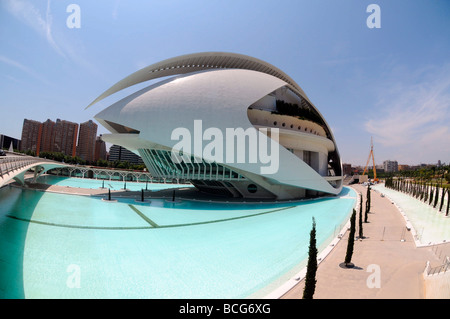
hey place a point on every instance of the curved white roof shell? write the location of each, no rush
(197, 62)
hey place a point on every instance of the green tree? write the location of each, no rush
(448, 201)
(442, 199)
(431, 194)
(123, 165)
(366, 213)
(311, 269)
(436, 196)
(351, 240)
(102, 163)
(360, 217)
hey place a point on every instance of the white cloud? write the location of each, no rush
(22, 67)
(115, 11)
(412, 119)
(72, 50)
(27, 13)
(14, 64)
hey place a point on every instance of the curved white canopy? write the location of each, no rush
(197, 62)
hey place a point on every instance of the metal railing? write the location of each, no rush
(438, 269)
(12, 163)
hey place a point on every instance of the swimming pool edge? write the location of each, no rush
(283, 289)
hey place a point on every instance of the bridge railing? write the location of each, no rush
(12, 163)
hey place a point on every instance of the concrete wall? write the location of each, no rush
(437, 286)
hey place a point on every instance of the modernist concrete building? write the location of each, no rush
(390, 166)
(6, 141)
(209, 95)
(120, 153)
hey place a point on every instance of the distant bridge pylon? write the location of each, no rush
(373, 161)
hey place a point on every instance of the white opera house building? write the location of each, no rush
(228, 123)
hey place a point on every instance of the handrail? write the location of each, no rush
(12, 163)
(438, 269)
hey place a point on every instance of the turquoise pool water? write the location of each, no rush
(68, 246)
(430, 225)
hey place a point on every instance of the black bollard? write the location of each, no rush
(109, 194)
(142, 195)
(173, 195)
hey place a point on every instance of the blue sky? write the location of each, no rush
(390, 83)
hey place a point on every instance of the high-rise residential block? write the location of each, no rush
(60, 136)
(65, 137)
(47, 136)
(390, 166)
(86, 141)
(31, 136)
(100, 149)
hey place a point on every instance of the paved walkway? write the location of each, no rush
(387, 249)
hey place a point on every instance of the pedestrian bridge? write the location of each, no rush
(15, 167)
